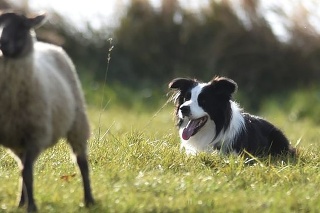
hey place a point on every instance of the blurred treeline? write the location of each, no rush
(153, 45)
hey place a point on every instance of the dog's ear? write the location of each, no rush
(224, 86)
(181, 84)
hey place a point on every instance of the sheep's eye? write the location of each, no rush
(21, 34)
(187, 96)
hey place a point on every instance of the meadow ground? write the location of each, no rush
(136, 166)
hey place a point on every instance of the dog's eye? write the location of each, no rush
(201, 101)
(187, 96)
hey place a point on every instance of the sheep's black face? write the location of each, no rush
(16, 39)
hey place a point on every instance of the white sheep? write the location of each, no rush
(41, 101)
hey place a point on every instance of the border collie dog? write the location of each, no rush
(209, 120)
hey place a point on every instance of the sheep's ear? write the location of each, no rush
(6, 15)
(181, 83)
(36, 21)
(224, 86)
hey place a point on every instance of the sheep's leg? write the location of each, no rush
(27, 182)
(84, 169)
(23, 195)
(77, 138)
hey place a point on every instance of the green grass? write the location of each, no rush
(136, 166)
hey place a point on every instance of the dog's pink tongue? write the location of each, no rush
(188, 130)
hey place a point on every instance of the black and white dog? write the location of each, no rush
(209, 120)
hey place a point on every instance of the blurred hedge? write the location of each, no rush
(154, 45)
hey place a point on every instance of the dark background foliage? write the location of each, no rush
(153, 45)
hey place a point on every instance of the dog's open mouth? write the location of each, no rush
(193, 127)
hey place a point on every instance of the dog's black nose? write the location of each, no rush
(185, 110)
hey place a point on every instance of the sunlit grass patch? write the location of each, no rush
(136, 166)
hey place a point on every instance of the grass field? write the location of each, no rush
(136, 166)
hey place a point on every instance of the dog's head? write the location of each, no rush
(197, 103)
